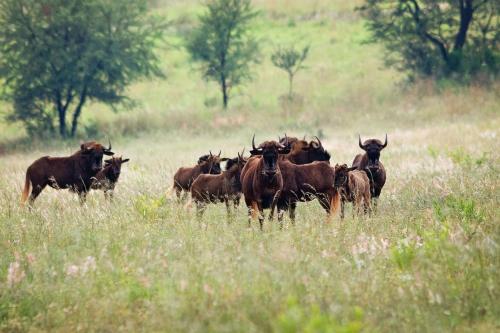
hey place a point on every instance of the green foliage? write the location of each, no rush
(149, 207)
(403, 254)
(290, 60)
(223, 45)
(463, 209)
(57, 55)
(297, 319)
(437, 38)
(465, 160)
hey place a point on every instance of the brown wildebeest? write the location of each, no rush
(184, 177)
(306, 182)
(107, 178)
(370, 163)
(261, 178)
(74, 172)
(224, 187)
(303, 152)
(353, 186)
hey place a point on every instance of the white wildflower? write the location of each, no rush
(72, 270)
(15, 274)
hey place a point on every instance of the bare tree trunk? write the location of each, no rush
(290, 88)
(466, 12)
(61, 112)
(78, 111)
(224, 91)
(62, 121)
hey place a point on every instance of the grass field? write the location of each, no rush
(429, 261)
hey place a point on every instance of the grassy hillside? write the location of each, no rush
(428, 261)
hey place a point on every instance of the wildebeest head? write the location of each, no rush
(236, 163)
(270, 150)
(341, 174)
(93, 153)
(115, 165)
(373, 147)
(211, 163)
(317, 152)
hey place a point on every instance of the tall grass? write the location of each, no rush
(427, 261)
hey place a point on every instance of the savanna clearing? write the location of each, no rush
(429, 260)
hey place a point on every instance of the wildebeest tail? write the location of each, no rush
(26, 190)
(335, 203)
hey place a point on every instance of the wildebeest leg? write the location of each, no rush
(273, 205)
(228, 208)
(374, 205)
(35, 192)
(261, 218)
(258, 211)
(82, 195)
(200, 209)
(252, 211)
(293, 206)
(367, 206)
(342, 208)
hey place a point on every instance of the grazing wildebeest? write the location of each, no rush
(74, 172)
(184, 177)
(370, 163)
(353, 186)
(224, 187)
(107, 178)
(306, 182)
(261, 178)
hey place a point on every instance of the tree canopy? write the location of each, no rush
(55, 55)
(223, 45)
(437, 38)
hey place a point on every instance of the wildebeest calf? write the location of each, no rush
(107, 178)
(225, 187)
(353, 186)
(185, 176)
(74, 172)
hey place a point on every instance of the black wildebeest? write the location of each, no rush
(107, 178)
(261, 178)
(74, 172)
(303, 152)
(224, 187)
(370, 163)
(184, 177)
(353, 186)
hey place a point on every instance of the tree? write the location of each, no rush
(223, 45)
(56, 55)
(290, 60)
(437, 38)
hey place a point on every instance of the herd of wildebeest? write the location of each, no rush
(276, 176)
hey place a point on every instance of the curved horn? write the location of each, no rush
(319, 141)
(109, 143)
(360, 143)
(220, 151)
(304, 137)
(286, 142)
(385, 144)
(210, 152)
(253, 142)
